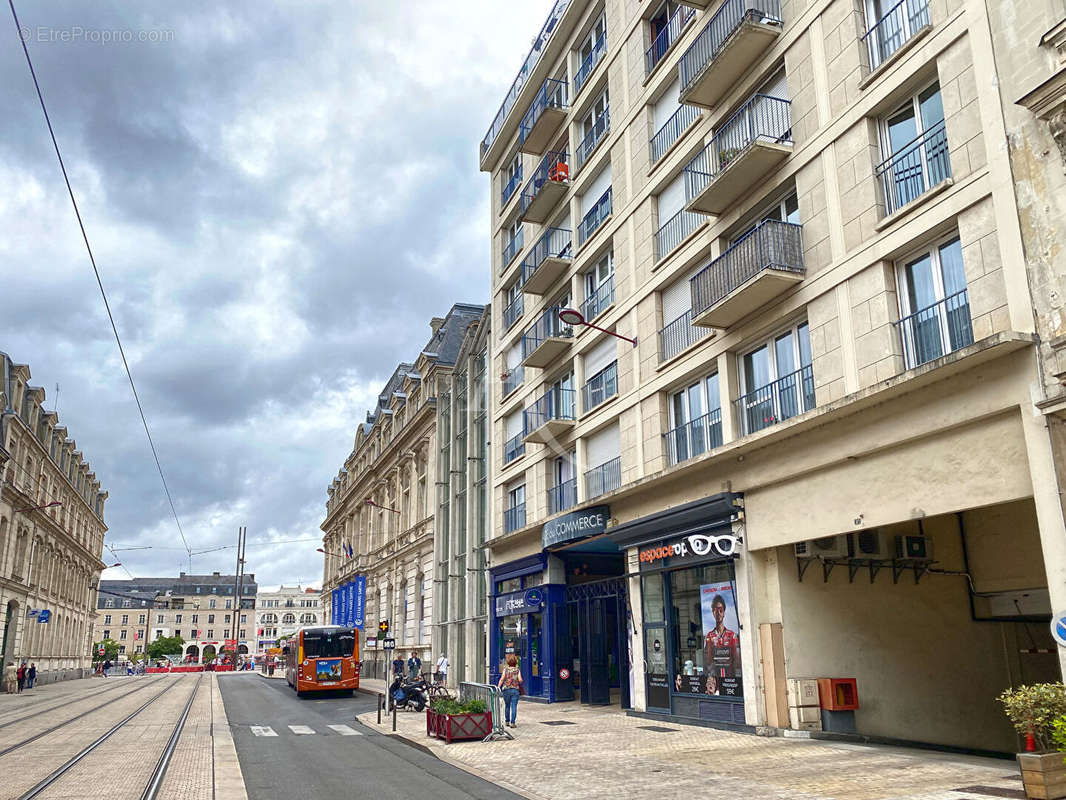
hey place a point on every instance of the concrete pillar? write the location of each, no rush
(728, 391)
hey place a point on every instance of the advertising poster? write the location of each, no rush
(721, 643)
(327, 670)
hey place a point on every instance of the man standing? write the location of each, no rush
(414, 666)
(21, 675)
(441, 670)
(397, 666)
(31, 676)
(107, 666)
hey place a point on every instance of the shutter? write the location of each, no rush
(777, 86)
(600, 356)
(671, 199)
(602, 446)
(600, 184)
(677, 298)
(512, 425)
(666, 107)
(514, 355)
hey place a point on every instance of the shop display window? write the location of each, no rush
(705, 632)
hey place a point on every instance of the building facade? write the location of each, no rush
(818, 449)
(51, 533)
(283, 612)
(198, 608)
(380, 515)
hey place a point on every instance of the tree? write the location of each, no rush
(110, 650)
(165, 645)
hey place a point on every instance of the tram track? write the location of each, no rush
(68, 699)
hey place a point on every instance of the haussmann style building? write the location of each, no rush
(283, 612)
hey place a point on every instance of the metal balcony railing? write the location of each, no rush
(600, 387)
(783, 399)
(915, 168)
(513, 378)
(936, 330)
(511, 186)
(595, 135)
(594, 218)
(770, 245)
(562, 496)
(553, 94)
(666, 37)
(762, 118)
(674, 231)
(679, 335)
(547, 326)
(599, 49)
(894, 29)
(555, 166)
(671, 131)
(600, 300)
(726, 20)
(513, 448)
(514, 518)
(693, 438)
(554, 404)
(512, 246)
(602, 479)
(513, 310)
(555, 243)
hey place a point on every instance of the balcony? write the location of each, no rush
(735, 38)
(602, 479)
(599, 301)
(915, 168)
(546, 188)
(562, 496)
(547, 340)
(752, 142)
(783, 399)
(936, 330)
(544, 117)
(584, 72)
(895, 29)
(548, 261)
(678, 336)
(763, 264)
(666, 38)
(512, 379)
(513, 448)
(693, 438)
(512, 312)
(514, 518)
(595, 217)
(674, 231)
(672, 130)
(600, 387)
(585, 148)
(551, 416)
(511, 187)
(512, 247)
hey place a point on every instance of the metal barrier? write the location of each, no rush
(493, 702)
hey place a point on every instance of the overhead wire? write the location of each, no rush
(96, 272)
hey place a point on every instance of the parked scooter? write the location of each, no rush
(409, 695)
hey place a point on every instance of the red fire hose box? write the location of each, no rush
(838, 694)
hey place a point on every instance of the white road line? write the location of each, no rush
(302, 730)
(345, 730)
(263, 730)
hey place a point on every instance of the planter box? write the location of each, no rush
(454, 727)
(1044, 775)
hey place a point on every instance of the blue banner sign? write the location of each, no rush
(359, 615)
(44, 615)
(334, 610)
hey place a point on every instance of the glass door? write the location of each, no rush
(656, 675)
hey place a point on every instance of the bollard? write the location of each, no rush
(394, 718)
(381, 700)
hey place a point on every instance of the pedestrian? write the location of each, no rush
(107, 666)
(510, 684)
(10, 677)
(440, 672)
(397, 666)
(31, 676)
(414, 666)
(21, 675)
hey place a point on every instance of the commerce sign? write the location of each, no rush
(576, 525)
(691, 548)
(519, 602)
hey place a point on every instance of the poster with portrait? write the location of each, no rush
(721, 641)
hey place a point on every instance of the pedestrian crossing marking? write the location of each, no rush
(302, 730)
(263, 730)
(345, 730)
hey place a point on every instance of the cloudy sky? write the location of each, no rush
(279, 196)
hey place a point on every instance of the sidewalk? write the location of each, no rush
(573, 751)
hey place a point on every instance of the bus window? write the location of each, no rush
(329, 644)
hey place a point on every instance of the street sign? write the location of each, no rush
(371, 641)
(44, 616)
(101, 650)
(388, 643)
(32, 612)
(564, 674)
(383, 627)
(1058, 628)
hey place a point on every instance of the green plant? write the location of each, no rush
(727, 155)
(1035, 709)
(1058, 734)
(448, 706)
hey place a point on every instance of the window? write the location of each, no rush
(289, 619)
(602, 451)
(229, 604)
(126, 619)
(195, 618)
(514, 515)
(244, 619)
(784, 210)
(227, 619)
(512, 241)
(890, 24)
(210, 617)
(704, 630)
(593, 129)
(695, 420)
(510, 179)
(590, 52)
(107, 619)
(140, 619)
(563, 493)
(777, 381)
(122, 635)
(211, 603)
(601, 371)
(210, 633)
(915, 145)
(178, 633)
(109, 603)
(934, 304)
(177, 619)
(107, 633)
(599, 287)
(678, 333)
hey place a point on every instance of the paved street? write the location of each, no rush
(313, 747)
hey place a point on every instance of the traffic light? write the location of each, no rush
(383, 627)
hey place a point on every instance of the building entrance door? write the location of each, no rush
(594, 648)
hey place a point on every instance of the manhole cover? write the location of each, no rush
(557, 722)
(992, 791)
(657, 729)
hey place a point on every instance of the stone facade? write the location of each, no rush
(285, 611)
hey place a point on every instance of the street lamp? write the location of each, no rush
(573, 317)
(370, 502)
(53, 504)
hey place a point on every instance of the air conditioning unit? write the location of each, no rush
(871, 544)
(914, 548)
(826, 547)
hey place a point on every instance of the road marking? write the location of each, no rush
(262, 730)
(301, 730)
(345, 730)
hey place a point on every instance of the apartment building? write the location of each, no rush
(283, 612)
(198, 608)
(381, 513)
(802, 435)
(51, 533)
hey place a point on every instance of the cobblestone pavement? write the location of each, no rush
(601, 753)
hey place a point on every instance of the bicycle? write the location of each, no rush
(437, 691)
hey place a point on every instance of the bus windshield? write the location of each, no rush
(329, 643)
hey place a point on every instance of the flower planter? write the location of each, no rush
(453, 727)
(1043, 774)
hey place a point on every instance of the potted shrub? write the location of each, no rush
(451, 720)
(1037, 712)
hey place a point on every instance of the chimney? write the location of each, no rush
(217, 574)
(435, 323)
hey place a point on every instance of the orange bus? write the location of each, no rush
(323, 658)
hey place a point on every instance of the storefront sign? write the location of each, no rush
(577, 525)
(526, 602)
(689, 549)
(371, 641)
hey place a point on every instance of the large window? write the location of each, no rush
(592, 129)
(934, 304)
(599, 287)
(329, 644)
(915, 145)
(777, 380)
(705, 631)
(514, 514)
(695, 420)
(563, 493)
(890, 24)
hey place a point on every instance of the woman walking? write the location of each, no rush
(510, 684)
(10, 677)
